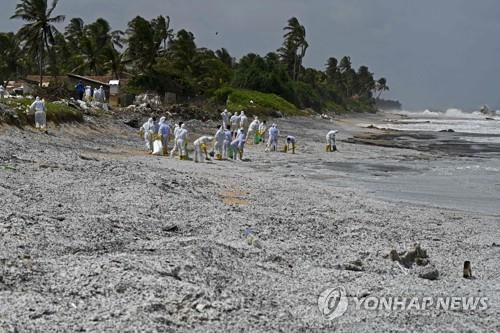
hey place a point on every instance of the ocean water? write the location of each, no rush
(478, 127)
(469, 183)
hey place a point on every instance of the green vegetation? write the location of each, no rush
(158, 59)
(56, 112)
(254, 102)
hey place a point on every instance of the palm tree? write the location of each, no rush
(162, 30)
(11, 56)
(182, 50)
(96, 43)
(145, 39)
(116, 62)
(381, 86)
(345, 64)
(75, 31)
(38, 34)
(225, 57)
(294, 47)
(366, 83)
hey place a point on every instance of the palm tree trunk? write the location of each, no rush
(41, 49)
(294, 64)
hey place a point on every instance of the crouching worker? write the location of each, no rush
(38, 107)
(238, 144)
(331, 144)
(290, 141)
(201, 145)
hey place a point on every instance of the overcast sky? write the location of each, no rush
(434, 53)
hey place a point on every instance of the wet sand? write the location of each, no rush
(97, 236)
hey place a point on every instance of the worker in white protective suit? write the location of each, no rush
(101, 95)
(243, 119)
(331, 144)
(228, 136)
(262, 131)
(253, 128)
(238, 144)
(226, 115)
(201, 145)
(219, 143)
(96, 96)
(176, 135)
(149, 130)
(88, 94)
(290, 143)
(235, 123)
(182, 142)
(272, 143)
(164, 132)
(38, 107)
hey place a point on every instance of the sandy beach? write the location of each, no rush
(97, 236)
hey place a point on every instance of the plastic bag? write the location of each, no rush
(157, 148)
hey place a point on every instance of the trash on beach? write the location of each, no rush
(355, 266)
(251, 238)
(8, 167)
(416, 255)
(467, 270)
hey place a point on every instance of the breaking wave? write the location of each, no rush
(449, 113)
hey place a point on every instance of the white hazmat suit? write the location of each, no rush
(253, 128)
(176, 134)
(219, 143)
(200, 145)
(149, 130)
(38, 106)
(331, 144)
(272, 143)
(235, 122)
(238, 144)
(243, 120)
(225, 118)
(88, 94)
(182, 141)
(228, 136)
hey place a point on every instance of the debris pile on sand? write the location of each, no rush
(418, 256)
(355, 266)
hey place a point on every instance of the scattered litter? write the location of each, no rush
(8, 167)
(251, 238)
(355, 266)
(407, 259)
(467, 270)
(429, 273)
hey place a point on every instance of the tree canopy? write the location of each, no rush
(155, 58)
